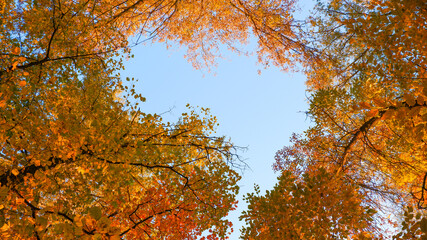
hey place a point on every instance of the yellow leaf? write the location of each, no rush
(22, 83)
(81, 170)
(5, 227)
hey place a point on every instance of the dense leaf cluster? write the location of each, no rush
(79, 160)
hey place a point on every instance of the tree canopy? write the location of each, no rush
(368, 97)
(367, 90)
(75, 164)
(307, 206)
(79, 159)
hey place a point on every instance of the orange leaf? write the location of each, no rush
(420, 100)
(15, 172)
(388, 115)
(364, 105)
(409, 98)
(16, 51)
(372, 113)
(14, 65)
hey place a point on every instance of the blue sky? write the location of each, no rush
(256, 111)
(259, 112)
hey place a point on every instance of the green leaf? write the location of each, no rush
(95, 212)
(3, 193)
(2, 219)
(423, 225)
(41, 221)
(97, 236)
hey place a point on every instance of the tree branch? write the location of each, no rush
(362, 130)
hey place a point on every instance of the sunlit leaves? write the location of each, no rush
(75, 159)
(367, 95)
(78, 158)
(413, 225)
(314, 205)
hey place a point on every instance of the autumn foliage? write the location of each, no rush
(79, 159)
(368, 103)
(313, 205)
(369, 95)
